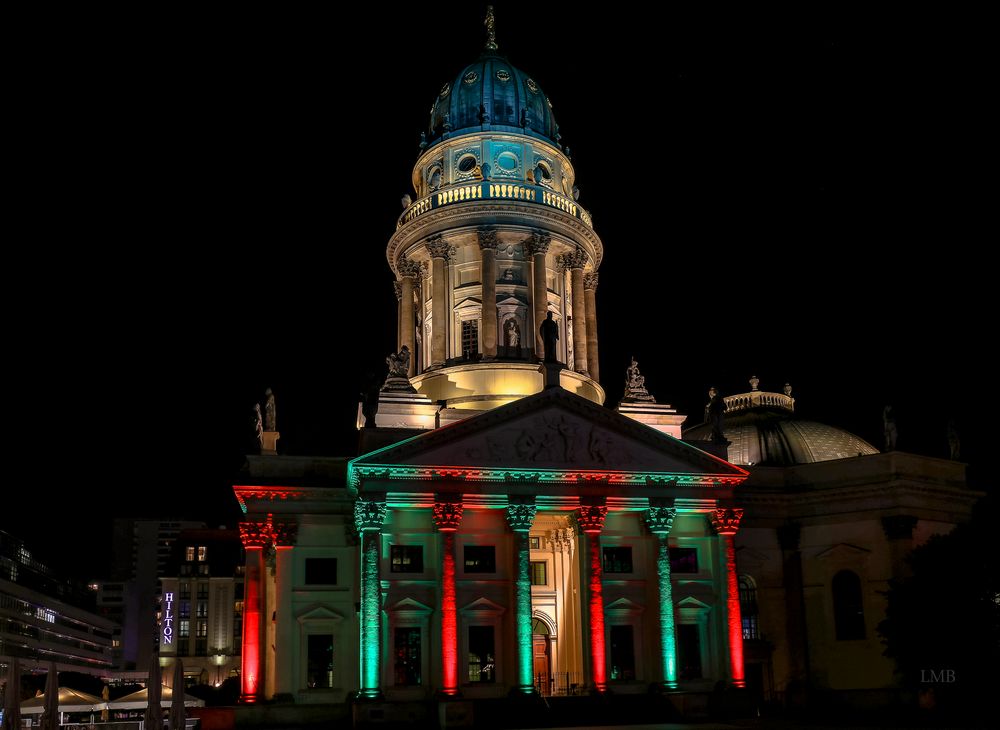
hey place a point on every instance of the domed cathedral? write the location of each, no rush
(493, 243)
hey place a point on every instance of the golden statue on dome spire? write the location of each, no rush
(491, 34)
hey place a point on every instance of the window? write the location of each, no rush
(184, 589)
(748, 608)
(537, 573)
(185, 609)
(480, 559)
(482, 654)
(202, 553)
(185, 569)
(202, 608)
(202, 628)
(321, 571)
(319, 661)
(534, 543)
(185, 630)
(848, 607)
(237, 608)
(201, 647)
(189, 553)
(406, 559)
(407, 648)
(683, 560)
(470, 338)
(203, 591)
(622, 653)
(203, 569)
(617, 560)
(689, 651)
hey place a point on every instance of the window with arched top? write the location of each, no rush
(748, 608)
(848, 606)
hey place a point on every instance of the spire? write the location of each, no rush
(491, 36)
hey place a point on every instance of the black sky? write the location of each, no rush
(205, 202)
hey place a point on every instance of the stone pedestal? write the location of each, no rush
(655, 415)
(269, 444)
(550, 373)
(401, 409)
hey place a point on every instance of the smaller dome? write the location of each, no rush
(763, 430)
(492, 95)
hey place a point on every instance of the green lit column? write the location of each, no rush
(520, 515)
(660, 520)
(369, 514)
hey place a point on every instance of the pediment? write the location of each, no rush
(843, 551)
(554, 430)
(408, 604)
(624, 604)
(483, 606)
(469, 303)
(693, 603)
(318, 613)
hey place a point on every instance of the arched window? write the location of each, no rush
(748, 608)
(848, 607)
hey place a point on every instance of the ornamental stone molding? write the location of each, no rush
(539, 242)
(406, 267)
(447, 516)
(726, 520)
(520, 516)
(369, 515)
(660, 519)
(397, 287)
(591, 518)
(488, 239)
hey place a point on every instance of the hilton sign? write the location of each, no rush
(168, 618)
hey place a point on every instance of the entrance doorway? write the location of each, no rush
(541, 656)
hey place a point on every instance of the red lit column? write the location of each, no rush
(726, 522)
(447, 516)
(255, 536)
(591, 521)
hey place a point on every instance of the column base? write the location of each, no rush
(524, 691)
(447, 694)
(369, 695)
(249, 699)
(739, 684)
(662, 687)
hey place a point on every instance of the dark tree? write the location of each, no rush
(942, 624)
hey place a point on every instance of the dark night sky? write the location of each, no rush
(795, 196)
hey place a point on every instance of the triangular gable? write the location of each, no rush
(554, 430)
(843, 551)
(318, 613)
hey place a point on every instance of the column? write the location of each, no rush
(488, 242)
(440, 252)
(397, 289)
(284, 536)
(795, 601)
(726, 522)
(591, 521)
(255, 536)
(409, 270)
(575, 262)
(590, 295)
(660, 519)
(536, 247)
(369, 514)
(520, 515)
(447, 516)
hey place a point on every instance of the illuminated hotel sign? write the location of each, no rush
(168, 618)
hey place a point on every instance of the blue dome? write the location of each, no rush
(492, 95)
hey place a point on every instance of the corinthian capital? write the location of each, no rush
(660, 519)
(591, 518)
(488, 239)
(575, 260)
(447, 516)
(369, 515)
(726, 520)
(438, 248)
(590, 280)
(539, 242)
(406, 267)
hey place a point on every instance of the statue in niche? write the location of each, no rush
(512, 333)
(549, 331)
(889, 427)
(270, 413)
(508, 275)
(716, 410)
(399, 363)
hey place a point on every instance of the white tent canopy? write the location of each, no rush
(70, 700)
(139, 700)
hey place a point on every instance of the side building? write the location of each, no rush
(200, 615)
(46, 619)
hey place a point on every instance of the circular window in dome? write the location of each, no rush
(503, 75)
(471, 77)
(532, 86)
(507, 161)
(467, 163)
(445, 89)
